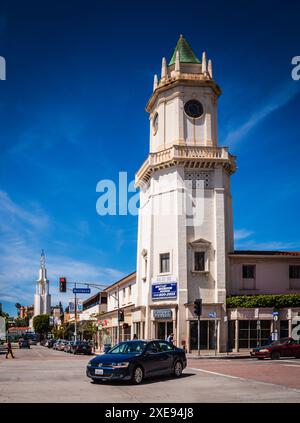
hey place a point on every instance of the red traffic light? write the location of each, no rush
(62, 284)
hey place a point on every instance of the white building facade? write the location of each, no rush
(183, 251)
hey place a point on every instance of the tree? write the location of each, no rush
(41, 324)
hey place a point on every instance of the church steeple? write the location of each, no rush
(186, 54)
(42, 297)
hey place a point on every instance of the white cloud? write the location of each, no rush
(281, 98)
(241, 234)
(22, 235)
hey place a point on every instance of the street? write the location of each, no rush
(44, 375)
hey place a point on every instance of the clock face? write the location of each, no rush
(193, 108)
(155, 123)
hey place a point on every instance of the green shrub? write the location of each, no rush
(275, 301)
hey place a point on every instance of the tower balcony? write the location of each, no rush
(192, 157)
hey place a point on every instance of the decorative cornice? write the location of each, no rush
(195, 157)
(188, 79)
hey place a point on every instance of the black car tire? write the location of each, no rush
(178, 368)
(137, 375)
(275, 355)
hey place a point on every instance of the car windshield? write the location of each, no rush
(132, 347)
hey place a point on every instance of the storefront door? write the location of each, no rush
(163, 329)
(207, 335)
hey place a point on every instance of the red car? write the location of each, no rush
(285, 347)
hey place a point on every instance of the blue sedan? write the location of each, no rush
(136, 360)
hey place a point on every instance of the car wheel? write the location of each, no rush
(177, 371)
(137, 375)
(275, 355)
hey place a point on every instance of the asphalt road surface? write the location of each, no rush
(43, 375)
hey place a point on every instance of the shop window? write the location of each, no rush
(248, 271)
(165, 263)
(294, 272)
(284, 328)
(253, 333)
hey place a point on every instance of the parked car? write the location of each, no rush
(61, 345)
(136, 360)
(285, 347)
(24, 343)
(67, 346)
(51, 343)
(32, 341)
(56, 344)
(80, 347)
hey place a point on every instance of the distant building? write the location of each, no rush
(42, 298)
(26, 312)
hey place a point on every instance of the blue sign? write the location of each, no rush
(213, 315)
(164, 290)
(81, 290)
(275, 313)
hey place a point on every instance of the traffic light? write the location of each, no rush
(198, 307)
(121, 316)
(62, 285)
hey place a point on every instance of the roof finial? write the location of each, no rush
(155, 82)
(210, 69)
(164, 71)
(177, 62)
(204, 68)
(42, 259)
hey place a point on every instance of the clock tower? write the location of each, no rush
(185, 229)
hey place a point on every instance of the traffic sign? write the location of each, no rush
(81, 290)
(213, 315)
(275, 313)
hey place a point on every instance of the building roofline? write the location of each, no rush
(268, 253)
(120, 281)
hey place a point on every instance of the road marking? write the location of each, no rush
(291, 365)
(213, 373)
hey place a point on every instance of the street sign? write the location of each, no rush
(81, 290)
(212, 315)
(275, 313)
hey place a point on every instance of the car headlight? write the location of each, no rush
(264, 350)
(122, 365)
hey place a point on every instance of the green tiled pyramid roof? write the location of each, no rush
(186, 54)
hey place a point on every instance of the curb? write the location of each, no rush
(219, 357)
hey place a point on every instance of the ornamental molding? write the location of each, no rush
(191, 157)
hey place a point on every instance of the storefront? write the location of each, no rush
(255, 327)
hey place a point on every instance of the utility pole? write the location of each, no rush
(118, 327)
(198, 335)
(75, 333)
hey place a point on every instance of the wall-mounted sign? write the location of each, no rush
(163, 313)
(164, 290)
(213, 315)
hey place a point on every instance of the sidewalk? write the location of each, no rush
(212, 355)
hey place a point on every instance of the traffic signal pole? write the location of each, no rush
(198, 335)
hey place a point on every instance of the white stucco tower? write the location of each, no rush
(182, 250)
(42, 298)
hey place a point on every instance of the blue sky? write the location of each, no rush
(72, 113)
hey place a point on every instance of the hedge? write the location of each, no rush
(275, 301)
